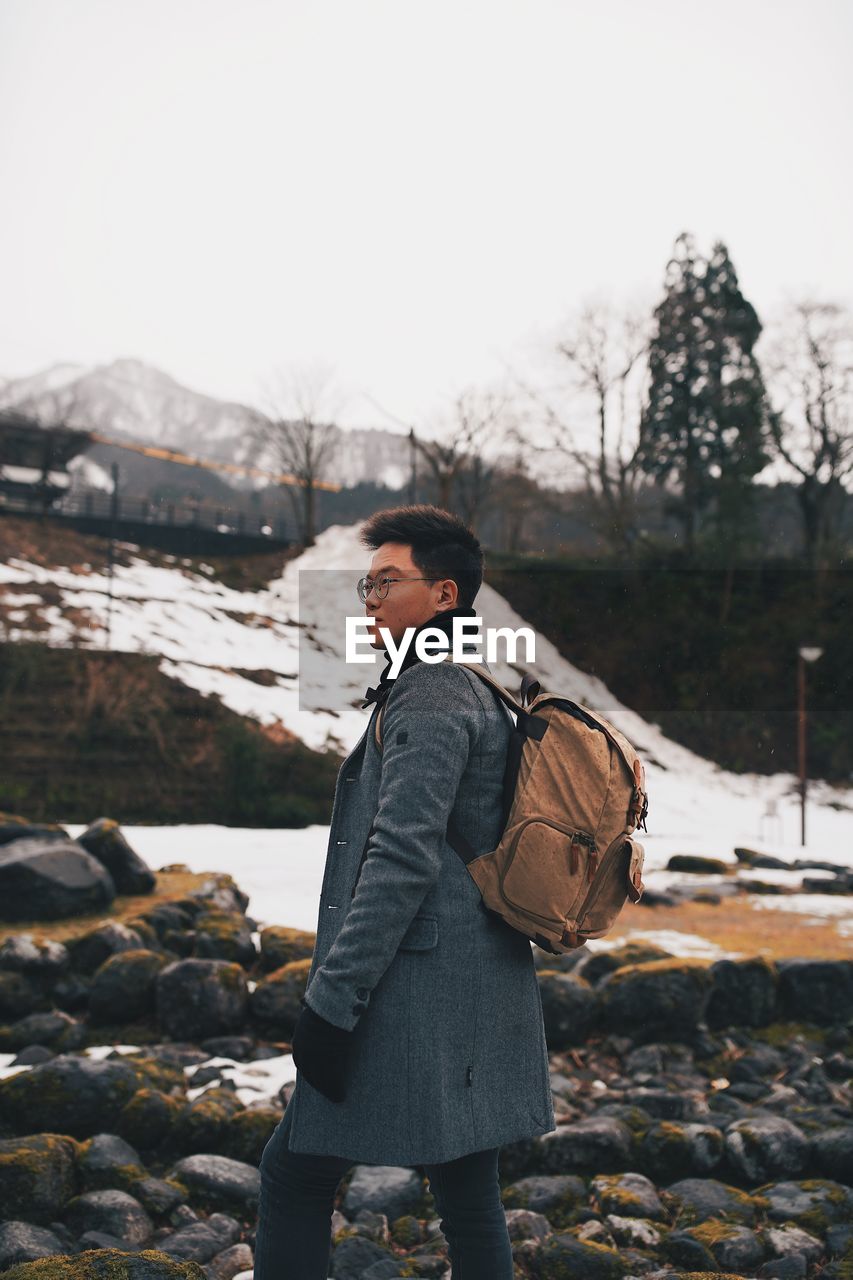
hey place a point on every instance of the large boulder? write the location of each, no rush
(663, 996)
(67, 1095)
(107, 1264)
(22, 1242)
(104, 840)
(224, 935)
(569, 1008)
(816, 990)
(89, 951)
(38, 1175)
(281, 944)
(275, 1000)
(743, 994)
(14, 827)
(197, 999)
(114, 1212)
(124, 988)
(50, 879)
(217, 1180)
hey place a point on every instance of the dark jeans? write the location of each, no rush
(297, 1200)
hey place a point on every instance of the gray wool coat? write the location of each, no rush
(448, 1053)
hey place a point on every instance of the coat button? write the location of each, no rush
(362, 993)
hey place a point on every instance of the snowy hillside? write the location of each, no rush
(207, 634)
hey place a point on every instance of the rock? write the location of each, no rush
(32, 1055)
(124, 988)
(248, 1131)
(222, 935)
(51, 879)
(221, 893)
(105, 841)
(68, 1095)
(107, 1264)
(790, 1268)
(590, 1145)
(108, 1161)
(201, 1241)
(353, 1255)
(281, 946)
(38, 1029)
(672, 1150)
(556, 1196)
(569, 1008)
(667, 996)
(201, 998)
(565, 1256)
(787, 1240)
(595, 965)
(688, 1253)
(764, 1147)
(203, 1123)
(816, 990)
(696, 862)
(750, 858)
(114, 1212)
(90, 951)
(148, 1118)
(238, 1048)
(158, 1195)
(38, 1175)
(19, 996)
(832, 1153)
(274, 1004)
(216, 1179)
(43, 961)
(703, 1198)
(14, 827)
(743, 993)
(637, 1232)
(629, 1194)
(229, 1263)
(383, 1189)
(812, 1200)
(733, 1247)
(21, 1242)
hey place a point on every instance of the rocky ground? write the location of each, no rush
(705, 1125)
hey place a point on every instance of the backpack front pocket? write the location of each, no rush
(547, 865)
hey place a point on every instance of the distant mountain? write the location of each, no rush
(129, 400)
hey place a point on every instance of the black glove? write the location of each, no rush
(321, 1052)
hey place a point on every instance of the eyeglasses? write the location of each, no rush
(382, 586)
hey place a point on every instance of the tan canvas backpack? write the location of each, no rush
(574, 791)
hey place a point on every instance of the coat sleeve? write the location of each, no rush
(432, 722)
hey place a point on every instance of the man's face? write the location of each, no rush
(408, 603)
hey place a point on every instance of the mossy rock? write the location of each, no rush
(203, 1124)
(281, 946)
(67, 1095)
(106, 1264)
(149, 1119)
(124, 986)
(596, 964)
(248, 1132)
(406, 1231)
(38, 1175)
(698, 863)
(661, 996)
(564, 1257)
(274, 1004)
(224, 935)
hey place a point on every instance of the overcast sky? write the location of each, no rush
(410, 194)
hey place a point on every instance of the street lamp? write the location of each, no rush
(806, 653)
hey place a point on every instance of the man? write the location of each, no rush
(421, 1041)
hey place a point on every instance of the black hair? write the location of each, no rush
(442, 545)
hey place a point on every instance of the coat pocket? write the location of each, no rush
(421, 935)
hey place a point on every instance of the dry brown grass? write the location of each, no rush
(170, 886)
(736, 926)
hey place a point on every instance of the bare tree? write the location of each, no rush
(456, 459)
(810, 371)
(300, 435)
(603, 352)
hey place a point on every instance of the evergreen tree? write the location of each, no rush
(705, 419)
